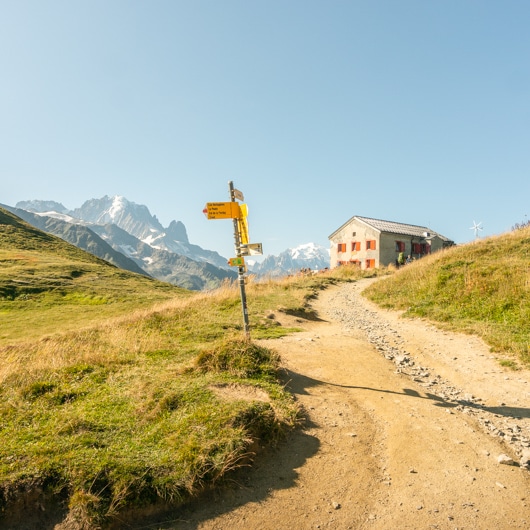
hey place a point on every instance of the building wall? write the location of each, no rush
(358, 234)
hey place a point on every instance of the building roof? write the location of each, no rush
(394, 228)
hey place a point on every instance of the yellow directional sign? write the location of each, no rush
(242, 225)
(222, 210)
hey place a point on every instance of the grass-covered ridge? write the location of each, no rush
(481, 288)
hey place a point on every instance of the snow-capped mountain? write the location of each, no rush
(308, 256)
(129, 228)
(79, 235)
(134, 219)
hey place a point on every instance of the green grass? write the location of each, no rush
(481, 288)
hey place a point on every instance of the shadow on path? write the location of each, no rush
(299, 383)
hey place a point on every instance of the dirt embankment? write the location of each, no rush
(406, 425)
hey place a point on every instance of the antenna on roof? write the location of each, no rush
(477, 227)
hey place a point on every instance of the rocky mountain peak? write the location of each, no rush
(177, 231)
(38, 206)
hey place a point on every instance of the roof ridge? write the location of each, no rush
(391, 222)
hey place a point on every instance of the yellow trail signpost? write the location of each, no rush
(238, 213)
(222, 210)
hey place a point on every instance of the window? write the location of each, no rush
(370, 244)
(355, 262)
(355, 246)
(400, 246)
(341, 247)
(416, 248)
(370, 263)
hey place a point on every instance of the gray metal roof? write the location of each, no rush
(395, 228)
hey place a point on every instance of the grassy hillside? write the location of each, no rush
(482, 288)
(117, 390)
(47, 284)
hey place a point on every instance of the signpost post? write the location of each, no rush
(238, 213)
(240, 268)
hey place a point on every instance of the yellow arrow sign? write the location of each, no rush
(242, 224)
(222, 210)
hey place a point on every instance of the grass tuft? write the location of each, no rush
(239, 358)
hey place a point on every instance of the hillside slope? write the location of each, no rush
(79, 235)
(482, 287)
(42, 277)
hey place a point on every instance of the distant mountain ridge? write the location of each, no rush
(165, 253)
(307, 256)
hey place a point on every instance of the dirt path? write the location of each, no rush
(405, 427)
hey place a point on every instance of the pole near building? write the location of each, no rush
(241, 268)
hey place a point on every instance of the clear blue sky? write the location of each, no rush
(410, 111)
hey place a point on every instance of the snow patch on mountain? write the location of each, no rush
(119, 204)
